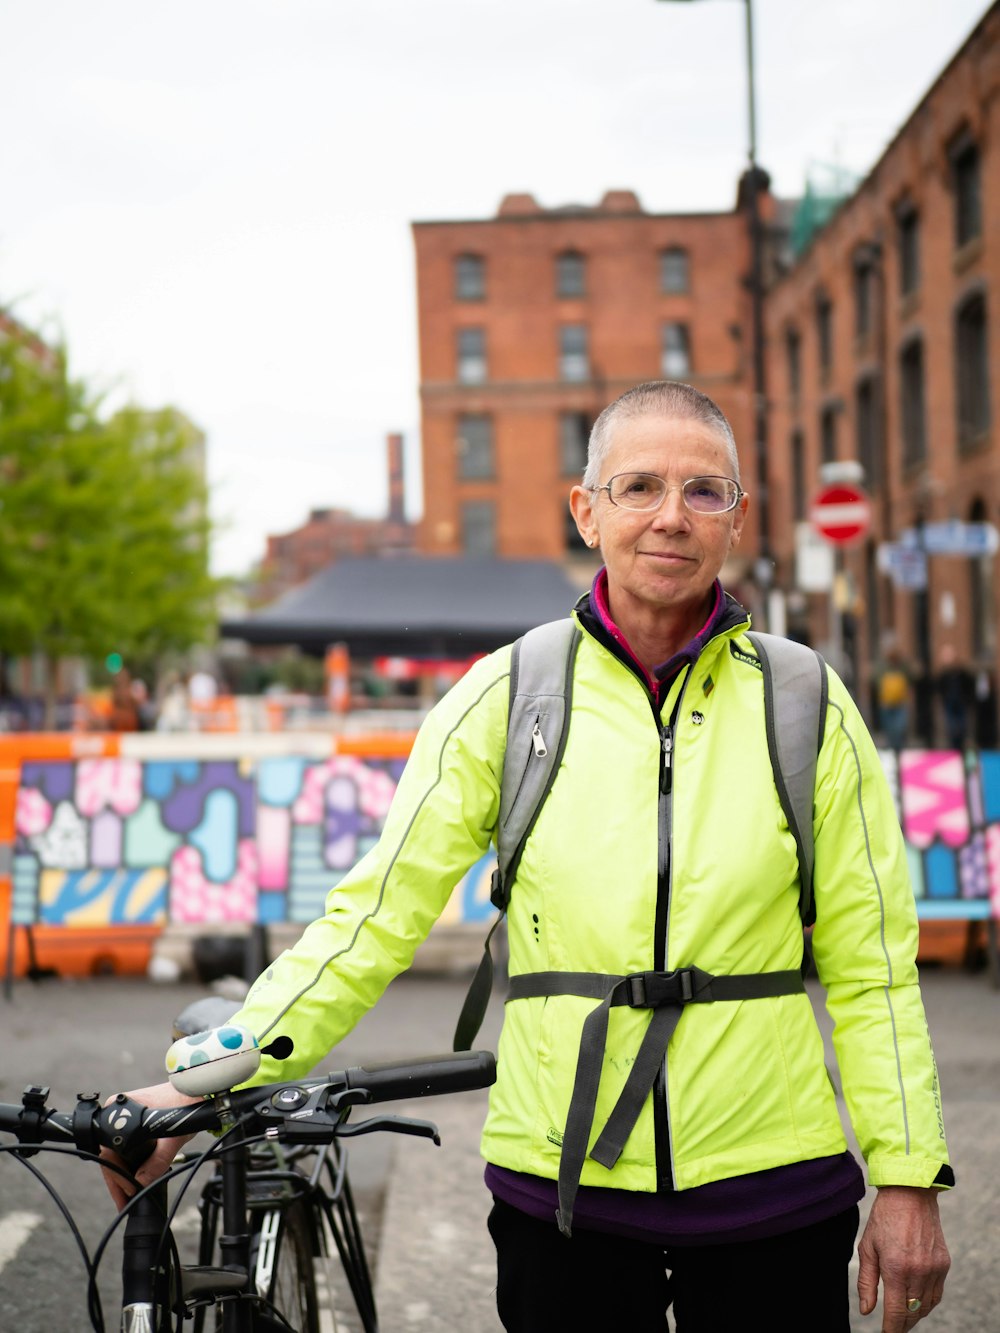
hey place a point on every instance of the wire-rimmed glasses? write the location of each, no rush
(647, 491)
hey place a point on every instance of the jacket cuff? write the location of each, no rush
(922, 1172)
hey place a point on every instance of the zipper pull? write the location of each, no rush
(667, 749)
(538, 741)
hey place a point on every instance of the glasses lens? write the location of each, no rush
(637, 490)
(710, 495)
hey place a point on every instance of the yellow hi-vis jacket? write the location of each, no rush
(612, 882)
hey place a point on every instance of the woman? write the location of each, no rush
(662, 845)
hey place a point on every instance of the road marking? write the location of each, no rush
(15, 1229)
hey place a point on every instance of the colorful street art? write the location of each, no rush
(116, 841)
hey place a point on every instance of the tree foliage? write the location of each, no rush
(104, 523)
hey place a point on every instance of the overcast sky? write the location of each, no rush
(211, 199)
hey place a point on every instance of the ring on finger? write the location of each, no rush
(914, 1304)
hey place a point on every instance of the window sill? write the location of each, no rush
(970, 445)
(967, 255)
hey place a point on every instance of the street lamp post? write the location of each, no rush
(750, 195)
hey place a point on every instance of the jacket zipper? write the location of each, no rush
(661, 1105)
(540, 750)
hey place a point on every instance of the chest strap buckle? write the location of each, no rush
(652, 990)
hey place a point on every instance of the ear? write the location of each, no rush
(582, 508)
(739, 517)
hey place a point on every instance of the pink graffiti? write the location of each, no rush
(114, 784)
(374, 786)
(193, 898)
(932, 787)
(34, 814)
(375, 791)
(308, 808)
(993, 866)
(273, 831)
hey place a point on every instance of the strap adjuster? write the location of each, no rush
(498, 894)
(652, 990)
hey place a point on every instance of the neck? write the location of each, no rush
(655, 634)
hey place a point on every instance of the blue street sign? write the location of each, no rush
(905, 565)
(953, 537)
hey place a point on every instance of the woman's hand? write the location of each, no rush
(164, 1151)
(903, 1244)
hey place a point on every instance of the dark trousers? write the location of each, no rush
(595, 1283)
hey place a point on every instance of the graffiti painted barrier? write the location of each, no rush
(107, 834)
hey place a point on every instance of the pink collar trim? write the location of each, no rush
(599, 603)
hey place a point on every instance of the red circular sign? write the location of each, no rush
(841, 514)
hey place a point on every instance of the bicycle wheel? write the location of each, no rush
(282, 1250)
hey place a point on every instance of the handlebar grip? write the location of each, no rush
(460, 1071)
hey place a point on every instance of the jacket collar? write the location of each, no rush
(595, 617)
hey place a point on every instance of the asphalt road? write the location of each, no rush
(424, 1208)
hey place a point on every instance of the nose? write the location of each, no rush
(673, 514)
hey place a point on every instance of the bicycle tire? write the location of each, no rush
(283, 1248)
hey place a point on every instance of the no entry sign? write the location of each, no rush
(841, 514)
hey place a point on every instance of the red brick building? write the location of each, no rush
(330, 534)
(531, 322)
(883, 342)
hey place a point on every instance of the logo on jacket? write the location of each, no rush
(741, 656)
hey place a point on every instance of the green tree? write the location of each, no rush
(104, 526)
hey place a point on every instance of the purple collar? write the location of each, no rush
(665, 672)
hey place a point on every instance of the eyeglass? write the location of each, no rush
(646, 491)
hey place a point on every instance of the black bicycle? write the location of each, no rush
(276, 1212)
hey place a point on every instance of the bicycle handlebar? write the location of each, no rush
(309, 1110)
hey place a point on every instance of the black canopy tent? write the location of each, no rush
(413, 606)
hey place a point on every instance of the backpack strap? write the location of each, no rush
(796, 686)
(538, 714)
(666, 994)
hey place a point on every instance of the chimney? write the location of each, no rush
(394, 450)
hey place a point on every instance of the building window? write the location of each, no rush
(798, 452)
(866, 429)
(793, 354)
(571, 274)
(574, 363)
(675, 352)
(863, 283)
(574, 436)
(964, 156)
(912, 411)
(479, 524)
(471, 356)
(828, 433)
(824, 333)
(475, 446)
(470, 278)
(972, 370)
(674, 271)
(908, 248)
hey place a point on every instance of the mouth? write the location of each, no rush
(668, 557)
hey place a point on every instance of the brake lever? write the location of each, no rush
(393, 1124)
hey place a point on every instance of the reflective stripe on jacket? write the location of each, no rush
(605, 879)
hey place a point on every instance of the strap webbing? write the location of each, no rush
(665, 993)
(477, 998)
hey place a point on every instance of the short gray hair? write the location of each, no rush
(658, 398)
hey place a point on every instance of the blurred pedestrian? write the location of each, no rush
(894, 700)
(124, 711)
(955, 688)
(173, 714)
(986, 710)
